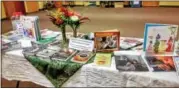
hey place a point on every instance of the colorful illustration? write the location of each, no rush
(106, 41)
(160, 38)
(82, 57)
(161, 63)
(130, 63)
(103, 59)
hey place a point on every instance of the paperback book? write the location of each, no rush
(103, 59)
(107, 41)
(129, 61)
(160, 38)
(82, 57)
(160, 63)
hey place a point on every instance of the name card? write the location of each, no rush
(81, 44)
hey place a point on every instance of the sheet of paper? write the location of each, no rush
(81, 44)
(25, 43)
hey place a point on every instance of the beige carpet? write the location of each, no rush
(130, 21)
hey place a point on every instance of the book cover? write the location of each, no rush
(129, 61)
(31, 27)
(103, 59)
(160, 63)
(159, 38)
(107, 41)
(176, 60)
(82, 57)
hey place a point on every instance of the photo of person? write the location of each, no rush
(130, 63)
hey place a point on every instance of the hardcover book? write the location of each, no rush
(160, 38)
(129, 61)
(160, 63)
(103, 59)
(107, 41)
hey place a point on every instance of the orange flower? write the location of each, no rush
(58, 21)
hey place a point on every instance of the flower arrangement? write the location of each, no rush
(66, 16)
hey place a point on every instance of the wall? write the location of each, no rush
(3, 13)
(31, 6)
(169, 3)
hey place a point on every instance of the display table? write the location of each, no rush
(16, 67)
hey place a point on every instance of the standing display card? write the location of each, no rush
(129, 61)
(160, 63)
(176, 60)
(31, 27)
(103, 59)
(106, 41)
(160, 38)
(81, 44)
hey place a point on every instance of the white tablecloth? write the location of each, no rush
(16, 67)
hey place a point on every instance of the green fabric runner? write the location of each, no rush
(58, 72)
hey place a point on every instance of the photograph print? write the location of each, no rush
(130, 63)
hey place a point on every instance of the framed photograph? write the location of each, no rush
(161, 63)
(130, 62)
(106, 41)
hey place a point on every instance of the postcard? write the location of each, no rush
(129, 61)
(82, 57)
(176, 60)
(106, 41)
(160, 38)
(160, 63)
(63, 54)
(103, 59)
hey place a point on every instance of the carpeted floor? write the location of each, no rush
(130, 21)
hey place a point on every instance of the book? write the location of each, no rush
(31, 27)
(176, 60)
(63, 54)
(160, 62)
(129, 61)
(159, 38)
(103, 59)
(127, 43)
(82, 57)
(106, 41)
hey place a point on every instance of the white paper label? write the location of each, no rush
(81, 44)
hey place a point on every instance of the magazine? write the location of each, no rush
(107, 41)
(160, 63)
(176, 60)
(129, 61)
(82, 57)
(160, 38)
(103, 59)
